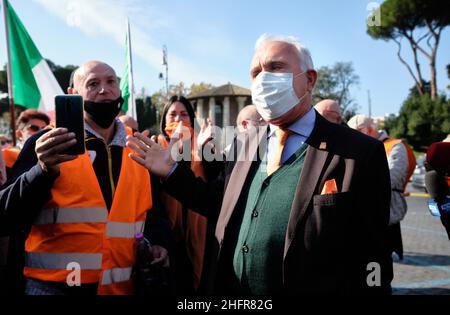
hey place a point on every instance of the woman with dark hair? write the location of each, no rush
(189, 228)
(180, 105)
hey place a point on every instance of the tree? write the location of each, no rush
(419, 22)
(335, 83)
(146, 113)
(422, 120)
(178, 89)
(201, 87)
(3, 81)
(159, 98)
(448, 74)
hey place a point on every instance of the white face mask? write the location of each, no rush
(273, 94)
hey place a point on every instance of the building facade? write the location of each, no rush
(221, 104)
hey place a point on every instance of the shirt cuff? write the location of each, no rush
(36, 172)
(174, 167)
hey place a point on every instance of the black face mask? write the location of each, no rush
(103, 114)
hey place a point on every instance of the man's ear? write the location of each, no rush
(312, 79)
(19, 134)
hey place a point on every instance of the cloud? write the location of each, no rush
(108, 17)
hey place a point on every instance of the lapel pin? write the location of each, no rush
(323, 145)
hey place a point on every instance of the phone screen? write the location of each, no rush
(69, 114)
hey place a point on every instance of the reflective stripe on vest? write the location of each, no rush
(89, 215)
(61, 261)
(72, 215)
(111, 276)
(125, 230)
(75, 227)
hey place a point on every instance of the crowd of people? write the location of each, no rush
(302, 203)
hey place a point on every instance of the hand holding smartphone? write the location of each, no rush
(69, 115)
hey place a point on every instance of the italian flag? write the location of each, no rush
(34, 85)
(127, 84)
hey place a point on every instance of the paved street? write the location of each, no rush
(425, 268)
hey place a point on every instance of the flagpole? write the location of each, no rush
(9, 74)
(130, 75)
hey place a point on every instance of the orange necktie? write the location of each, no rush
(275, 162)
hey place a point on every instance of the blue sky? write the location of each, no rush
(212, 41)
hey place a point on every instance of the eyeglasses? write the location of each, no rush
(33, 128)
(258, 121)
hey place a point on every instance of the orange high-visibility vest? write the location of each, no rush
(10, 155)
(75, 227)
(389, 144)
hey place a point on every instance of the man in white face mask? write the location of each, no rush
(309, 216)
(281, 83)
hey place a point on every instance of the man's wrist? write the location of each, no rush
(50, 173)
(174, 167)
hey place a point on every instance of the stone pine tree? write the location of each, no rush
(420, 23)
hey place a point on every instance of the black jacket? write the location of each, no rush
(331, 239)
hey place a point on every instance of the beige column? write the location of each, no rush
(241, 102)
(199, 113)
(226, 112)
(212, 110)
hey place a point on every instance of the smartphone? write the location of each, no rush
(69, 115)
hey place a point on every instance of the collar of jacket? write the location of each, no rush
(120, 133)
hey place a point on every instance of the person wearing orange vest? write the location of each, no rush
(10, 156)
(30, 122)
(401, 163)
(82, 236)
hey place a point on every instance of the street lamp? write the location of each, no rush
(165, 63)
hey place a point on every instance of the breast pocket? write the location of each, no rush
(329, 222)
(332, 200)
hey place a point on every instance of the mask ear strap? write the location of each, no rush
(301, 73)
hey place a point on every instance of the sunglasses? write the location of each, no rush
(33, 128)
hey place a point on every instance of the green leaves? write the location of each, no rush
(335, 83)
(399, 17)
(422, 121)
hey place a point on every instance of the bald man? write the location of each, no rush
(331, 110)
(84, 210)
(248, 116)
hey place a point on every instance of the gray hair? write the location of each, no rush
(306, 62)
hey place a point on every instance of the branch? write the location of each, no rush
(418, 84)
(415, 45)
(436, 44)
(432, 30)
(416, 60)
(436, 39)
(426, 34)
(428, 41)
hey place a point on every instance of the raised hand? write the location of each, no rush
(50, 147)
(206, 133)
(148, 153)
